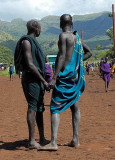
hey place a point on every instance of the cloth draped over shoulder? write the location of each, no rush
(105, 67)
(33, 88)
(37, 54)
(70, 83)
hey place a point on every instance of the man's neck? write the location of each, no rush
(67, 29)
(32, 35)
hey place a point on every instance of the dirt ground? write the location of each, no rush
(97, 126)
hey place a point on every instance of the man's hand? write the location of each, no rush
(52, 83)
(47, 86)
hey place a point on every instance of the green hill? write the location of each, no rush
(5, 55)
(5, 36)
(7, 40)
(9, 44)
(88, 17)
(94, 28)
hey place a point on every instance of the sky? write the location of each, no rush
(37, 9)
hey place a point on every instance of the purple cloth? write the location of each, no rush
(48, 72)
(106, 71)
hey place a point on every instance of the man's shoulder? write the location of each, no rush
(25, 42)
(26, 39)
(63, 36)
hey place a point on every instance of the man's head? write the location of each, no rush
(33, 27)
(66, 20)
(101, 59)
(46, 59)
(106, 59)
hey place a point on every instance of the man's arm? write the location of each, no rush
(26, 46)
(61, 58)
(87, 52)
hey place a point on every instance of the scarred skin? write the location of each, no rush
(65, 46)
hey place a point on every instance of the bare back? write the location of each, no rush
(66, 44)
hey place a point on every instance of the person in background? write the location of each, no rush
(87, 68)
(11, 71)
(53, 67)
(105, 67)
(20, 74)
(48, 70)
(113, 69)
(100, 66)
(92, 66)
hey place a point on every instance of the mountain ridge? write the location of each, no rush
(94, 27)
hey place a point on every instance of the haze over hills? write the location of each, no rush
(94, 28)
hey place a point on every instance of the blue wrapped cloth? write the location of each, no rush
(70, 83)
(11, 69)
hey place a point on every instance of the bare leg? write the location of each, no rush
(40, 124)
(10, 77)
(31, 128)
(106, 86)
(55, 119)
(52, 146)
(75, 123)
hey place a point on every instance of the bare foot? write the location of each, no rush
(33, 145)
(44, 142)
(72, 144)
(48, 147)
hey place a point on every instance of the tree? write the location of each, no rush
(5, 55)
(110, 15)
(98, 47)
(109, 33)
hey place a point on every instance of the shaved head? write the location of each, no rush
(65, 20)
(32, 25)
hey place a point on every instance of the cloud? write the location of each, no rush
(29, 9)
(26, 9)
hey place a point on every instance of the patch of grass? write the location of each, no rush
(94, 75)
(4, 73)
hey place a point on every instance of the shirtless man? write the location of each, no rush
(69, 65)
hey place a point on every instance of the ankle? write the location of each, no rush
(75, 140)
(32, 140)
(54, 143)
(42, 138)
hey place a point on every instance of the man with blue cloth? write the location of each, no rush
(68, 82)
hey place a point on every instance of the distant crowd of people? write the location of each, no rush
(106, 69)
(3, 67)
